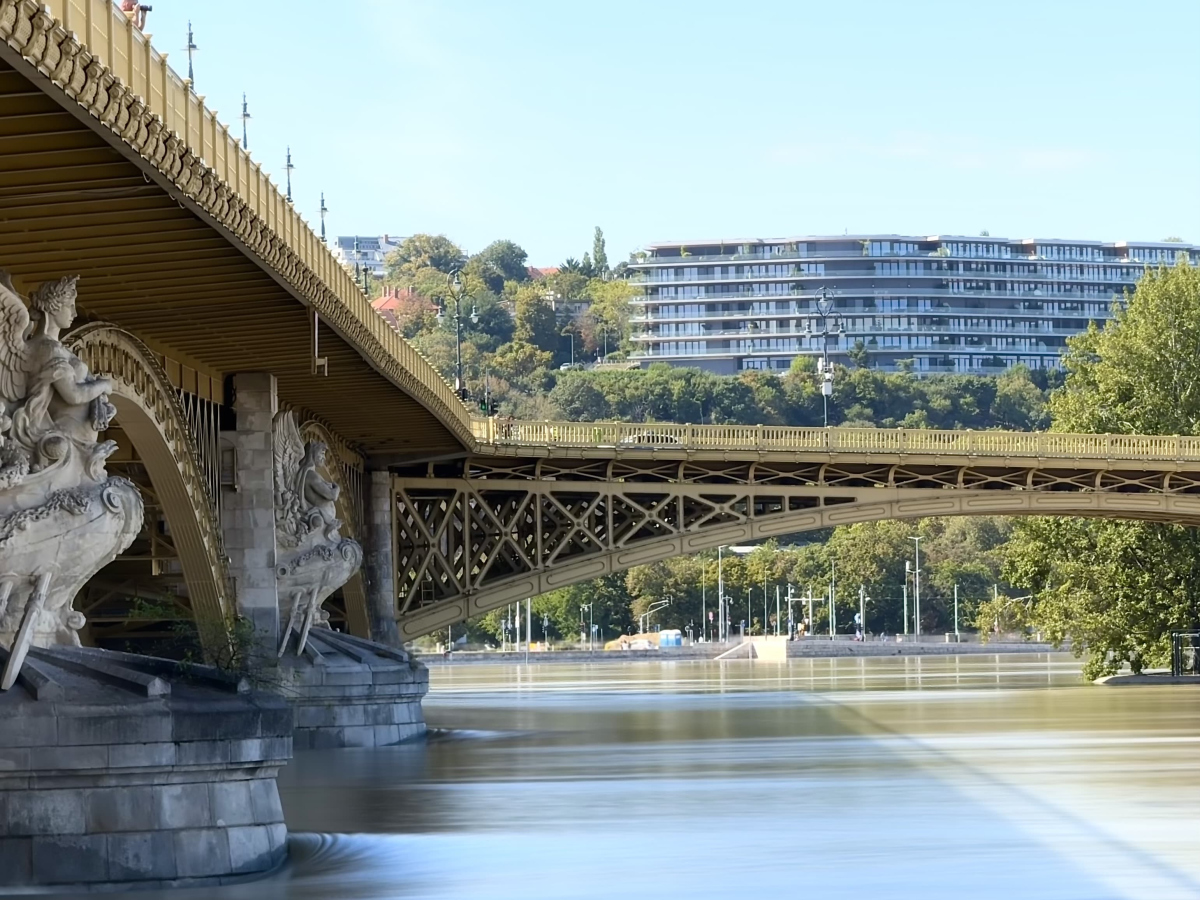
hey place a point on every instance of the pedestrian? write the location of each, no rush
(135, 12)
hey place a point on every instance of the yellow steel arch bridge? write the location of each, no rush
(210, 302)
(537, 506)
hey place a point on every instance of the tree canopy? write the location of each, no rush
(500, 262)
(1117, 589)
(425, 251)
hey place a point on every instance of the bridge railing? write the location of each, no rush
(498, 432)
(112, 38)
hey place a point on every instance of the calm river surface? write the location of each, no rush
(978, 777)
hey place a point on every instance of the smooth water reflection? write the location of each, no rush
(933, 778)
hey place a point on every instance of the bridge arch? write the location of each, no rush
(571, 528)
(182, 466)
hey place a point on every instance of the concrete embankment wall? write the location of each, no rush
(806, 649)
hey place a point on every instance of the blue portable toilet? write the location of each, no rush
(670, 637)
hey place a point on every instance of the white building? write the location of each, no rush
(937, 304)
(366, 251)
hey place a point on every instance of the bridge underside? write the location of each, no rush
(75, 198)
(476, 535)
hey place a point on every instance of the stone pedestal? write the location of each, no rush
(348, 692)
(379, 575)
(248, 519)
(119, 769)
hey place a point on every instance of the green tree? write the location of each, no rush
(605, 322)
(580, 398)
(521, 363)
(536, 320)
(1018, 404)
(1117, 589)
(599, 254)
(499, 262)
(610, 608)
(421, 251)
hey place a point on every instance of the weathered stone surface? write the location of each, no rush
(250, 849)
(378, 563)
(54, 490)
(250, 540)
(145, 856)
(312, 558)
(200, 852)
(69, 859)
(355, 693)
(90, 804)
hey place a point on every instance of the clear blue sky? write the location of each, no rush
(688, 119)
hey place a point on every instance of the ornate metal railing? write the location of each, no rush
(495, 433)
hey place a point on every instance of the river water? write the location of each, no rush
(979, 776)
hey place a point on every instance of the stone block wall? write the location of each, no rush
(248, 518)
(145, 792)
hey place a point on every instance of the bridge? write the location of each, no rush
(212, 305)
(538, 506)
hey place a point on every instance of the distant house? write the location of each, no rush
(536, 274)
(399, 306)
(366, 251)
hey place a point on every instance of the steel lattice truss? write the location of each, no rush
(479, 533)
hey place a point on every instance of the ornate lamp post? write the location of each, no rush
(830, 324)
(457, 293)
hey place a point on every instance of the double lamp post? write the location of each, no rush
(457, 294)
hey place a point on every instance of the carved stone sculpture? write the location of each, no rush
(312, 558)
(61, 517)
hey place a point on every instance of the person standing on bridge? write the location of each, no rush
(135, 12)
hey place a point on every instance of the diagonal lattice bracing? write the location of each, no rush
(489, 531)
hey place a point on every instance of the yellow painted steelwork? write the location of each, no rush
(545, 505)
(113, 168)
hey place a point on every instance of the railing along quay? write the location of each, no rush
(498, 432)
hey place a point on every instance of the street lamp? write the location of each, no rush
(826, 313)
(720, 598)
(917, 585)
(791, 598)
(571, 334)
(457, 293)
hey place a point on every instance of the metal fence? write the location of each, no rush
(670, 436)
(1185, 653)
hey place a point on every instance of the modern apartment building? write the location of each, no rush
(937, 304)
(366, 251)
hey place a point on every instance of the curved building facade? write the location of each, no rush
(932, 304)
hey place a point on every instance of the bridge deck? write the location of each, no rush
(113, 168)
(667, 441)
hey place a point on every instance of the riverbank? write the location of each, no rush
(813, 648)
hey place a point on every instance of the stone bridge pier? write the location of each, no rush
(291, 523)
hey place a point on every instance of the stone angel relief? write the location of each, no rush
(52, 406)
(312, 558)
(304, 500)
(61, 517)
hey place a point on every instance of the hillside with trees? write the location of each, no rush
(1114, 589)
